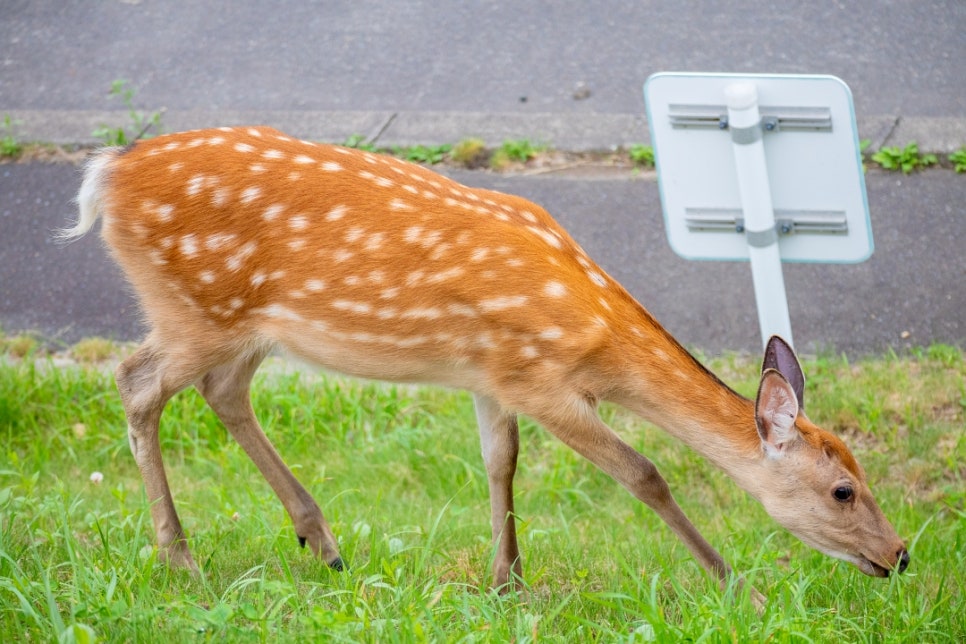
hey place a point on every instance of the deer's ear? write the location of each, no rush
(776, 409)
(781, 357)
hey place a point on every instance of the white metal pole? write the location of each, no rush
(744, 122)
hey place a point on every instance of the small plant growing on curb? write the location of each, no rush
(18, 346)
(958, 159)
(358, 142)
(428, 154)
(642, 155)
(140, 123)
(469, 152)
(517, 150)
(9, 145)
(906, 159)
(91, 350)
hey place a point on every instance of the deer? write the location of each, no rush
(242, 241)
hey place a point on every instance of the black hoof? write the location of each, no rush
(337, 564)
(301, 542)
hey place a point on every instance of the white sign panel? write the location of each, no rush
(814, 166)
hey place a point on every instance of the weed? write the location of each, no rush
(140, 122)
(427, 154)
(18, 346)
(514, 151)
(9, 145)
(358, 142)
(469, 152)
(958, 159)
(906, 159)
(92, 350)
(642, 155)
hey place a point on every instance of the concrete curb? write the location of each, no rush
(578, 132)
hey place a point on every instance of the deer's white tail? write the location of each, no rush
(88, 198)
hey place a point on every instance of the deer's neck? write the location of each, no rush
(664, 384)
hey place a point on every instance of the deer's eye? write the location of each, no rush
(843, 493)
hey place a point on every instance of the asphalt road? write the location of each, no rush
(555, 72)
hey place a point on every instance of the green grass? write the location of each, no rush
(397, 472)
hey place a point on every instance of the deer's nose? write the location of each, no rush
(903, 562)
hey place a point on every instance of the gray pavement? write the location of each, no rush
(553, 72)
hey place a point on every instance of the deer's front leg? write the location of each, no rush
(592, 438)
(500, 440)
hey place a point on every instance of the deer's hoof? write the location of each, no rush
(337, 564)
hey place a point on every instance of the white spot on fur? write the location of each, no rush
(352, 307)
(554, 288)
(188, 246)
(304, 159)
(596, 278)
(354, 234)
(272, 212)
(279, 312)
(337, 213)
(272, 154)
(195, 184)
(243, 147)
(298, 222)
(234, 262)
(157, 257)
(503, 302)
(546, 235)
(399, 205)
(219, 240)
(375, 241)
(551, 333)
(165, 211)
(529, 352)
(422, 313)
(314, 286)
(332, 166)
(479, 254)
(250, 194)
(462, 309)
(442, 276)
(220, 196)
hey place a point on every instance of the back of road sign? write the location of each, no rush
(813, 160)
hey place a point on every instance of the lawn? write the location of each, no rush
(397, 473)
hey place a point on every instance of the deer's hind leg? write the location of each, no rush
(146, 380)
(227, 389)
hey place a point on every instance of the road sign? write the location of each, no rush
(764, 168)
(813, 164)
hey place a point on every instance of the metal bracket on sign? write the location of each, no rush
(773, 119)
(787, 222)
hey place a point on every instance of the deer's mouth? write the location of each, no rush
(871, 568)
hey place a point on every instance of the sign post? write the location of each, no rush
(744, 121)
(786, 185)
